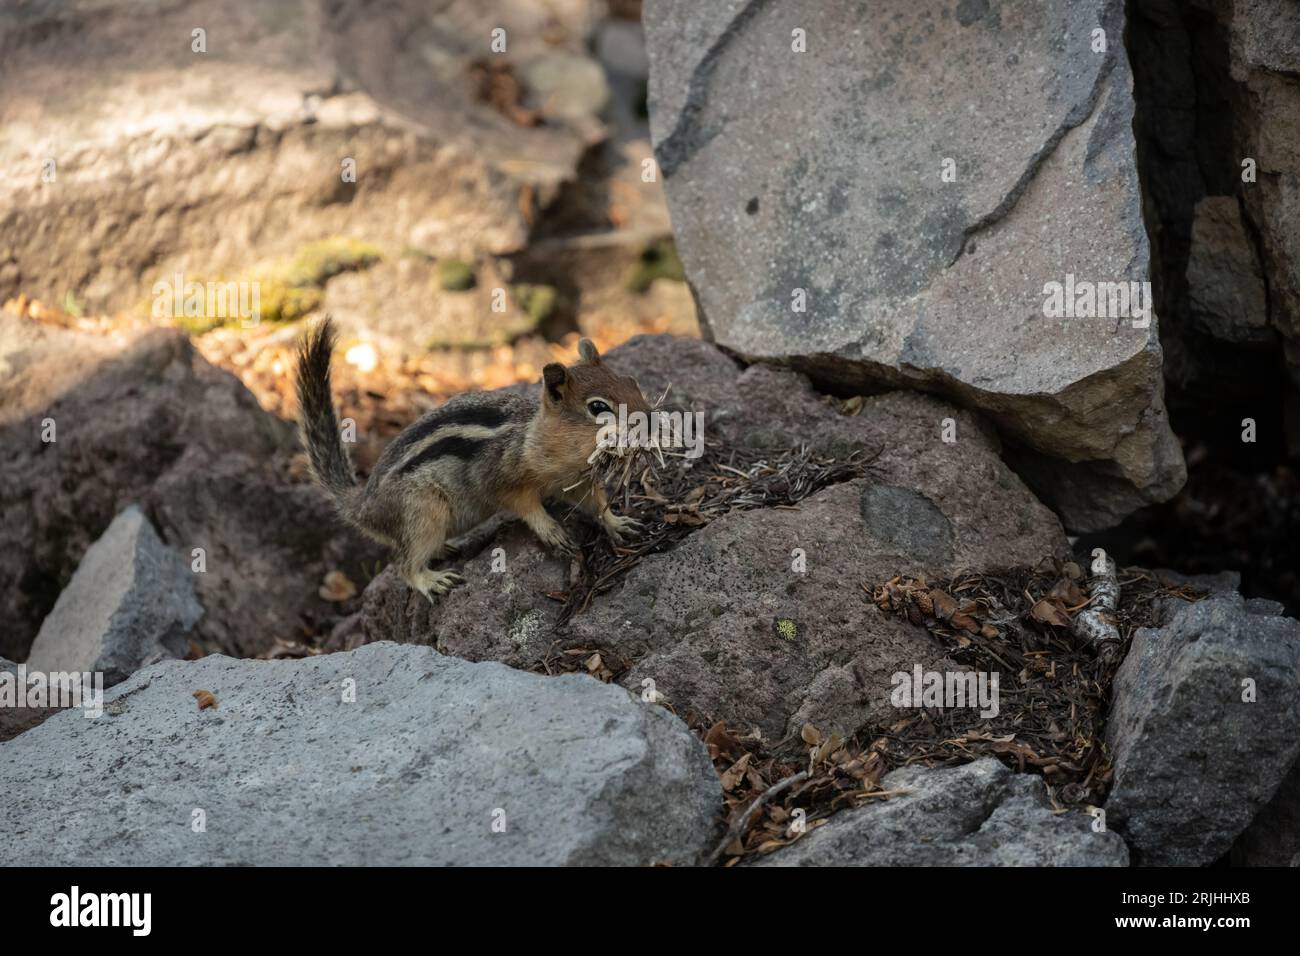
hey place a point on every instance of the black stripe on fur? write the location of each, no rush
(454, 446)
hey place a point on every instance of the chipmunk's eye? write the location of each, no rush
(598, 408)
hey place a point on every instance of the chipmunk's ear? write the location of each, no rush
(587, 352)
(555, 378)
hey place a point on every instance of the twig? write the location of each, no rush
(737, 829)
(1096, 624)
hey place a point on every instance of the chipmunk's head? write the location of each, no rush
(577, 401)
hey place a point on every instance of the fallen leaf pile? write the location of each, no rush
(1053, 691)
(772, 800)
(574, 658)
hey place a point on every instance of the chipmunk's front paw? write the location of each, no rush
(434, 583)
(619, 527)
(444, 581)
(558, 540)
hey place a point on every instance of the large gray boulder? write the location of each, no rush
(977, 814)
(1202, 728)
(815, 179)
(130, 602)
(725, 624)
(387, 755)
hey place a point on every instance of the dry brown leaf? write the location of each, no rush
(945, 606)
(1049, 612)
(735, 773)
(337, 587)
(205, 698)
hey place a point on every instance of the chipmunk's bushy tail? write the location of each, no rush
(317, 423)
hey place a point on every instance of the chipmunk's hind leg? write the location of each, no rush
(424, 539)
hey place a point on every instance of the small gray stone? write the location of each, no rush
(1194, 762)
(291, 769)
(978, 814)
(564, 84)
(907, 522)
(130, 602)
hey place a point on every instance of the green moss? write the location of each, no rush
(786, 629)
(317, 262)
(292, 287)
(282, 302)
(659, 260)
(198, 324)
(537, 301)
(455, 275)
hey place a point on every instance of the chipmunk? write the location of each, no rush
(481, 453)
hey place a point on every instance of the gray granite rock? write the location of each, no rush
(387, 755)
(816, 229)
(1195, 757)
(130, 603)
(977, 814)
(1273, 837)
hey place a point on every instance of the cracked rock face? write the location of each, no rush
(978, 814)
(384, 756)
(816, 180)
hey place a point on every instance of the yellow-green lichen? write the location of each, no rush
(525, 627)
